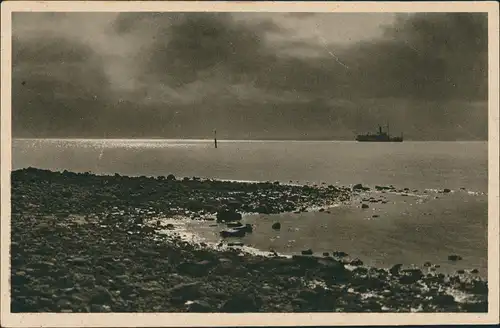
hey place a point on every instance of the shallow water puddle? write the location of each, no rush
(411, 229)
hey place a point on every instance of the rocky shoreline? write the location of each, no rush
(83, 243)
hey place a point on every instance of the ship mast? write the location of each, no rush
(215, 138)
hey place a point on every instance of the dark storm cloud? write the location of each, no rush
(438, 55)
(182, 74)
(425, 56)
(185, 46)
(58, 85)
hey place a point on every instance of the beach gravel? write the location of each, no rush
(80, 244)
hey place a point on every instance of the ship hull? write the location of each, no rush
(381, 136)
(368, 139)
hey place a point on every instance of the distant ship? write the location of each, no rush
(381, 136)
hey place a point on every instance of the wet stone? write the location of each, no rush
(198, 307)
(356, 262)
(110, 263)
(307, 252)
(454, 258)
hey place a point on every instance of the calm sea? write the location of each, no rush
(407, 230)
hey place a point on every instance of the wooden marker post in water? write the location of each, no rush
(215, 138)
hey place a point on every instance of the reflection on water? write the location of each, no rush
(417, 165)
(405, 230)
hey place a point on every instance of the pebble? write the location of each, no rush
(110, 264)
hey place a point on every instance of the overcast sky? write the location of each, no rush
(249, 75)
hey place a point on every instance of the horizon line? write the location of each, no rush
(234, 140)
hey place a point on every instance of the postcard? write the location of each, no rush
(176, 164)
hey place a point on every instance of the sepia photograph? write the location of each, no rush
(227, 160)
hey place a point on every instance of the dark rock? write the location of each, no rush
(478, 287)
(19, 279)
(232, 233)
(240, 303)
(187, 291)
(307, 294)
(364, 283)
(235, 244)
(454, 258)
(356, 262)
(461, 271)
(474, 271)
(394, 270)
(365, 206)
(326, 254)
(146, 252)
(276, 226)
(99, 308)
(307, 252)
(359, 186)
(246, 228)
(446, 190)
(170, 177)
(306, 260)
(234, 204)
(427, 264)
(262, 209)
(101, 295)
(199, 306)
(233, 224)
(480, 307)
(360, 271)
(411, 276)
(333, 269)
(443, 300)
(340, 254)
(195, 269)
(123, 278)
(375, 216)
(43, 265)
(227, 215)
